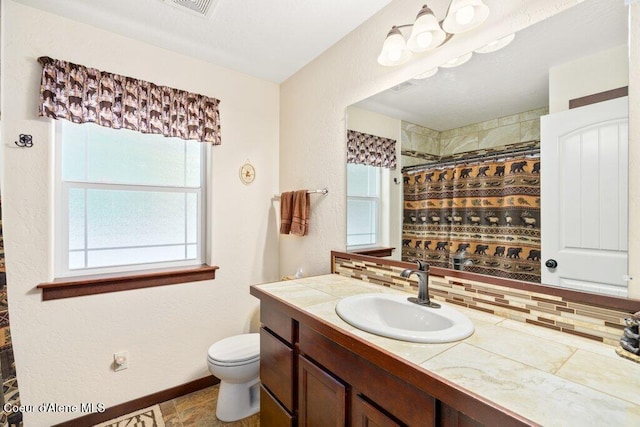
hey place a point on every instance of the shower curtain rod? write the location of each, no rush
(475, 158)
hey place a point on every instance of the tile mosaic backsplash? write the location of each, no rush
(536, 308)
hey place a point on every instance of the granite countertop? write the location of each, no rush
(549, 377)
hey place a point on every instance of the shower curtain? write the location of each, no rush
(9, 393)
(488, 210)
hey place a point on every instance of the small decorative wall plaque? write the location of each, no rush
(247, 173)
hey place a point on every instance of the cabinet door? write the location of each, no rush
(367, 415)
(321, 397)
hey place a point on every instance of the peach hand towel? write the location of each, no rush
(286, 212)
(301, 213)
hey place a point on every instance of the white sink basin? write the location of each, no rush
(393, 316)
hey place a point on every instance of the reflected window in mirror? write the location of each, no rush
(363, 205)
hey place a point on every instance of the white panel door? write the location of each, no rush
(584, 182)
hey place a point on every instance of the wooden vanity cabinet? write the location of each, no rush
(314, 375)
(308, 380)
(368, 387)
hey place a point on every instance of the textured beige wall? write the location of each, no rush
(313, 103)
(64, 348)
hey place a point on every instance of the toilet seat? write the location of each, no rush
(236, 350)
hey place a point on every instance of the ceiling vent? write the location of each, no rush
(202, 8)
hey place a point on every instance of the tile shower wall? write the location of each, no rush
(420, 143)
(7, 365)
(537, 308)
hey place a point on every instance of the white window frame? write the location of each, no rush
(379, 212)
(61, 216)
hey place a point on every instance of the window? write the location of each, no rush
(363, 205)
(126, 200)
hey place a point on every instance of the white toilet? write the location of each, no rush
(236, 362)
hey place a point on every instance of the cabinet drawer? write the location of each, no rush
(276, 368)
(276, 321)
(272, 414)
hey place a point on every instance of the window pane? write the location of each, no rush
(192, 217)
(76, 218)
(361, 239)
(126, 157)
(362, 222)
(192, 251)
(111, 257)
(76, 260)
(133, 159)
(73, 152)
(194, 154)
(135, 218)
(363, 180)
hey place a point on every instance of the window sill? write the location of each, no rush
(375, 251)
(70, 287)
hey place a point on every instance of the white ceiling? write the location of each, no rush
(269, 39)
(509, 81)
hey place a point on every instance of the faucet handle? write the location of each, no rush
(423, 266)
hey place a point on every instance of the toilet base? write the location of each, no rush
(238, 401)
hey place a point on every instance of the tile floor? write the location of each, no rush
(198, 409)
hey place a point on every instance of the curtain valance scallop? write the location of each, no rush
(86, 95)
(371, 150)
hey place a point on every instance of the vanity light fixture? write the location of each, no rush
(496, 44)
(427, 33)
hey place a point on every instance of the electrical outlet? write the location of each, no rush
(120, 361)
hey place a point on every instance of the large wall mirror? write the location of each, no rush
(513, 164)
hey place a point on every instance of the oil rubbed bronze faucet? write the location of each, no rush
(423, 284)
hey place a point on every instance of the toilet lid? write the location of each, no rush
(238, 348)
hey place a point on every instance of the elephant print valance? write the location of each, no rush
(86, 95)
(371, 150)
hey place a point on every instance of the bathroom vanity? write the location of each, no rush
(318, 370)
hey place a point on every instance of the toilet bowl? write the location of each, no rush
(236, 362)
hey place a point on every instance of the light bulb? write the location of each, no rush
(426, 33)
(423, 40)
(394, 54)
(394, 49)
(465, 15)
